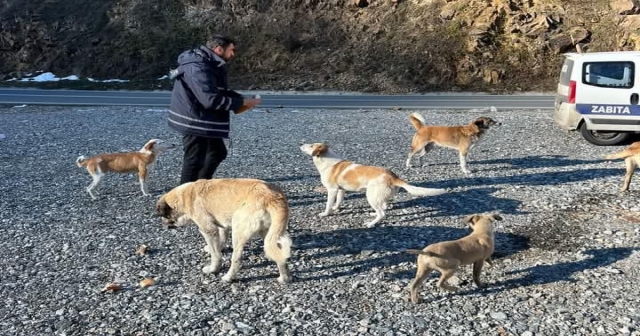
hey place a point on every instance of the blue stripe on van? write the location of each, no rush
(605, 109)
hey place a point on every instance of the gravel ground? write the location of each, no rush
(565, 262)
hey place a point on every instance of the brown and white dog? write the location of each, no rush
(338, 176)
(140, 161)
(631, 156)
(446, 257)
(462, 138)
(247, 207)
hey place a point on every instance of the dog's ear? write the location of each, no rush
(480, 121)
(471, 219)
(163, 209)
(319, 150)
(496, 217)
(149, 145)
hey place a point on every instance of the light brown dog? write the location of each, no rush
(140, 161)
(339, 175)
(631, 156)
(461, 138)
(247, 207)
(447, 256)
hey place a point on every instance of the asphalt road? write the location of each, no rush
(311, 101)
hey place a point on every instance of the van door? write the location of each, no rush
(606, 95)
(562, 93)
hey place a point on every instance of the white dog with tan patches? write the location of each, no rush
(339, 175)
(136, 161)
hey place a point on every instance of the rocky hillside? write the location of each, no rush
(364, 45)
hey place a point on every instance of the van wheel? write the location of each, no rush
(604, 138)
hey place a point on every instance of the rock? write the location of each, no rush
(455, 281)
(624, 7)
(226, 325)
(498, 315)
(560, 43)
(366, 253)
(531, 27)
(579, 34)
(448, 11)
(492, 76)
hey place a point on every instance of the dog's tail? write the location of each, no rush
(418, 191)
(413, 251)
(621, 155)
(416, 120)
(81, 161)
(277, 243)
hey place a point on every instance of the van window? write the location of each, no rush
(565, 73)
(608, 74)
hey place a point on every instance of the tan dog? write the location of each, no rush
(447, 256)
(339, 175)
(462, 138)
(140, 162)
(631, 156)
(247, 207)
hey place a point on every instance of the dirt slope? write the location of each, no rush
(365, 45)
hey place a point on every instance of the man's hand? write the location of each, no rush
(251, 102)
(248, 103)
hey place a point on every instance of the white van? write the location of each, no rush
(598, 95)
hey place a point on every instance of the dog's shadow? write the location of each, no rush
(460, 203)
(350, 252)
(288, 178)
(540, 161)
(546, 274)
(456, 203)
(531, 179)
(527, 162)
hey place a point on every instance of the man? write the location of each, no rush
(201, 103)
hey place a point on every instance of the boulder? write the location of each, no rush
(560, 43)
(492, 76)
(625, 7)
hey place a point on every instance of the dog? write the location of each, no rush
(447, 256)
(631, 156)
(338, 176)
(246, 207)
(127, 162)
(462, 138)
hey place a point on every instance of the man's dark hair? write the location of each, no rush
(219, 41)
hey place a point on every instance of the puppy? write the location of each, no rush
(462, 138)
(631, 156)
(247, 207)
(140, 161)
(339, 175)
(447, 256)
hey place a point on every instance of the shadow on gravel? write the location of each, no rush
(457, 203)
(545, 274)
(359, 250)
(292, 178)
(532, 179)
(534, 161)
(461, 203)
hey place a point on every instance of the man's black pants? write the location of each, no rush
(201, 157)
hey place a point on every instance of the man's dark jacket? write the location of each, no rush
(201, 101)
